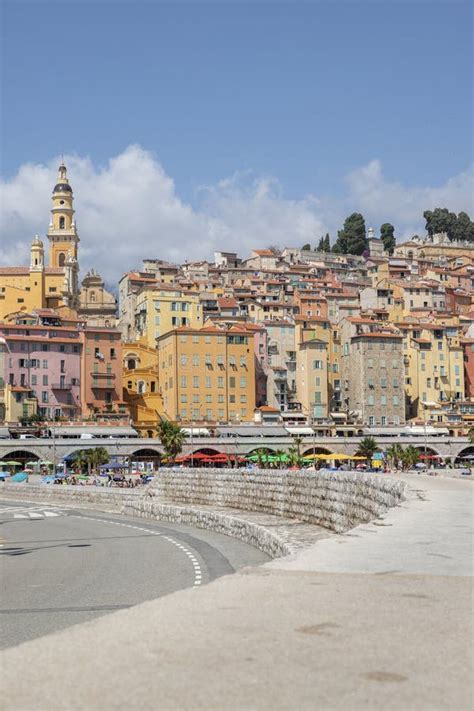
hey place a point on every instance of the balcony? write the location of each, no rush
(62, 386)
(103, 375)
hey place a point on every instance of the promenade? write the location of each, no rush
(377, 618)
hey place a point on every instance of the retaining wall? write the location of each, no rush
(337, 501)
(110, 499)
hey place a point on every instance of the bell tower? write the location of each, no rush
(62, 233)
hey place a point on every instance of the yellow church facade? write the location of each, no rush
(46, 285)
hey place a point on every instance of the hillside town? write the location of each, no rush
(378, 336)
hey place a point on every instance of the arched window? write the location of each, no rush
(131, 364)
(141, 386)
(93, 297)
(61, 259)
(62, 223)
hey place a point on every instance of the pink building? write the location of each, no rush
(260, 338)
(44, 358)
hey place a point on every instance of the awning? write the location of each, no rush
(252, 431)
(300, 430)
(95, 431)
(196, 431)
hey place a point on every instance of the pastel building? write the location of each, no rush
(41, 370)
(101, 372)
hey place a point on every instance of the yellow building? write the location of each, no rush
(318, 328)
(37, 286)
(434, 368)
(141, 387)
(162, 308)
(312, 378)
(207, 374)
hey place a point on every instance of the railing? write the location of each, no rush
(62, 386)
(103, 375)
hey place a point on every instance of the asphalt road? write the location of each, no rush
(60, 567)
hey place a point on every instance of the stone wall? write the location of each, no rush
(87, 496)
(337, 501)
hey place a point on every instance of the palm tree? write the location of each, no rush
(410, 457)
(261, 455)
(294, 456)
(367, 448)
(98, 456)
(298, 441)
(470, 434)
(172, 438)
(395, 454)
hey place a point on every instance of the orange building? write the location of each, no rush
(101, 373)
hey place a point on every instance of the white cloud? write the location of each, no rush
(129, 210)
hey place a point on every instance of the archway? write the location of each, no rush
(61, 259)
(465, 456)
(428, 455)
(22, 456)
(145, 459)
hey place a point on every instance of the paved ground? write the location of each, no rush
(368, 623)
(60, 567)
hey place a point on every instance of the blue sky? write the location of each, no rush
(304, 91)
(300, 94)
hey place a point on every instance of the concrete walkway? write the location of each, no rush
(379, 618)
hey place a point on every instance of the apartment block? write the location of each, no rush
(207, 374)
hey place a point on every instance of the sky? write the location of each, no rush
(194, 126)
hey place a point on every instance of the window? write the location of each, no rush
(45, 346)
(231, 382)
(220, 397)
(371, 421)
(243, 398)
(183, 381)
(44, 396)
(196, 397)
(220, 414)
(317, 382)
(207, 339)
(370, 363)
(45, 379)
(184, 397)
(62, 348)
(220, 381)
(195, 359)
(317, 364)
(208, 398)
(243, 361)
(112, 353)
(208, 360)
(208, 381)
(383, 399)
(395, 399)
(370, 400)
(195, 381)
(195, 338)
(395, 364)
(45, 364)
(317, 398)
(383, 382)
(243, 382)
(183, 338)
(383, 420)
(220, 360)
(62, 224)
(184, 360)
(208, 414)
(395, 382)
(196, 414)
(382, 364)
(231, 398)
(33, 380)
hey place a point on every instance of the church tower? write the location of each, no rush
(62, 233)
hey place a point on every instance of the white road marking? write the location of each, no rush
(191, 556)
(20, 516)
(51, 513)
(35, 515)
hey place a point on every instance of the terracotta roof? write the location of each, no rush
(267, 408)
(227, 302)
(378, 334)
(263, 252)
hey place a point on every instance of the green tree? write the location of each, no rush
(172, 438)
(395, 455)
(306, 247)
(410, 457)
(352, 238)
(440, 220)
(470, 434)
(464, 228)
(326, 243)
(367, 448)
(90, 459)
(387, 235)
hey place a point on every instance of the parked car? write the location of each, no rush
(28, 436)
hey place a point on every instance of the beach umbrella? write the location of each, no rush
(11, 463)
(32, 463)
